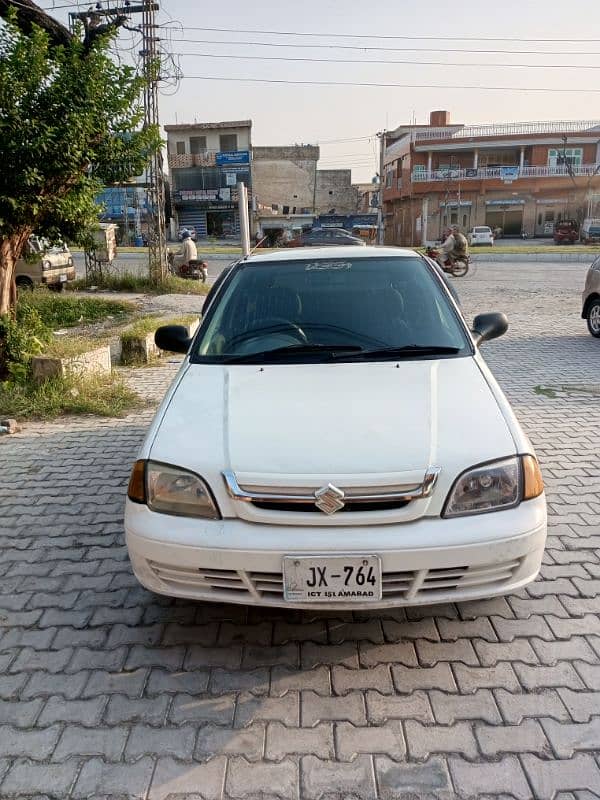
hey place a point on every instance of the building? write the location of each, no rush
(367, 196)
(206, 161)
(284, 178)
(288, 180)
(335, 193)
(520, 177)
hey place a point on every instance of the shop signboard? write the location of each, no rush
(229, 158)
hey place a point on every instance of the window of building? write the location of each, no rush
(464, 222)
(568, 155)
(180, 148)
(228, 142)
(549, 215)
(330, 191)
(389, 177)
(540, 218)
(197, 144)
(499, 158)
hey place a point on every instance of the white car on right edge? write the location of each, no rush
(481, 234)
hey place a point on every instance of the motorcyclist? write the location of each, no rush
(188, 253)
(455, 246)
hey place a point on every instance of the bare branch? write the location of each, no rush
(93, 30)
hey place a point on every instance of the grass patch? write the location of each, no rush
(150, 323)
(129, 282)
(71, 347)
(104, 396)
(58, 311)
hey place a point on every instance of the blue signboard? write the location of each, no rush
(235, 157)
(347, 221)
(509, 173)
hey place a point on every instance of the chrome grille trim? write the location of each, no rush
(406, 494)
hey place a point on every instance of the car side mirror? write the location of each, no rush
(489, 326)
(174, 338)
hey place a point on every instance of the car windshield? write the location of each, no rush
(324, 309)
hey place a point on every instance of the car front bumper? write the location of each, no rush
(430, 560)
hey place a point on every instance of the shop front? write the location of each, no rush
(506, 214)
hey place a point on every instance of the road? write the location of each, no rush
(109, 690)
(137, 264)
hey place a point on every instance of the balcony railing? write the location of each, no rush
(504, 173)
(509, 129)
(181, 160)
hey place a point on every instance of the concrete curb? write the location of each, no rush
(559, 258)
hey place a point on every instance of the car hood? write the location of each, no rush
(359, 420)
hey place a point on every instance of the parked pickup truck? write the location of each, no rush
(44, 265)
(566, 231)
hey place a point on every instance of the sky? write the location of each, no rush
(356, 31)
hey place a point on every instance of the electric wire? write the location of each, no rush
(371, 84)
(230, 56)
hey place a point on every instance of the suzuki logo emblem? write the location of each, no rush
(329, 499)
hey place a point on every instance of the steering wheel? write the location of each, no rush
(272, 325)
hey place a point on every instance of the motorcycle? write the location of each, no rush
(195, 269)
(456, 267)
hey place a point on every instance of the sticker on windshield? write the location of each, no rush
(331, 265)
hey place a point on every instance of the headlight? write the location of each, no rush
(495, 486)
(46, 265)
(70, 261)
(171, 490)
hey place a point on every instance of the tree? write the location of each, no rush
(70, 122)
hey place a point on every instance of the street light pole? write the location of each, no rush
(380, 222)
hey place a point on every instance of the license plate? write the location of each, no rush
(318, 579)
(62, 278)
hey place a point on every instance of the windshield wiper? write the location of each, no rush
(408, 350)
(294, 350)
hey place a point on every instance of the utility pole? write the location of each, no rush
(380, 219)
(157, 241)
(157, 238)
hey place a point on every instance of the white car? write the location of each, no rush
(481, 234)
(334, 439)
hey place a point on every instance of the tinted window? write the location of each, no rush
(364, 302)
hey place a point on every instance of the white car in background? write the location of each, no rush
(481, 234)
(334, 439)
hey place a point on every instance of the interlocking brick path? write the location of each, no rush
(109, 691)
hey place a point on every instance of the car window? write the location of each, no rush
(367, 303)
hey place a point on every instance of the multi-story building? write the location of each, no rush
(206, 161)
(522, 177)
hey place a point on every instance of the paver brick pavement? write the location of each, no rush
(108, 691)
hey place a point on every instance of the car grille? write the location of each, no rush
(409, 586)
(374, 505)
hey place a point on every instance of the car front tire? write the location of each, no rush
(593, 317)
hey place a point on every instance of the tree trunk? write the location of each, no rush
(11, 249)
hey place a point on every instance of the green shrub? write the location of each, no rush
(20, 340)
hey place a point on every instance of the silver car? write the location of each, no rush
(591, 298)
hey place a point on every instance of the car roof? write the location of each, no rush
(327, 253)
